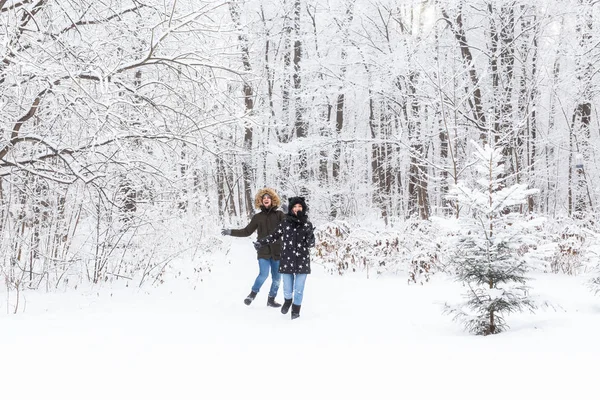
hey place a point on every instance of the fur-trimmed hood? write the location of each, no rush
(275, 200)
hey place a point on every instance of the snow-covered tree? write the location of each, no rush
(493, 238)
(106, 111)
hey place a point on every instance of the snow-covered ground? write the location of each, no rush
(356, 338)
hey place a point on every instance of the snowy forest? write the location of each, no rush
(133, 130)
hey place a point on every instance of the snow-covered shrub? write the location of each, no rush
(423, 250)
(342, 247)
(579, 251)
(569, 250)
(143, 250)
(593, 264)
(577, 247)
(166, 251)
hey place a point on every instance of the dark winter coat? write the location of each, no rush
(266, 221)
(297, 238)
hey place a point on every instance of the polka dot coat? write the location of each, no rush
(296, 240)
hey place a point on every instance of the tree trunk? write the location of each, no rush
(300, 124)
(476, 100)
(247, 175)
(418, 199)
(582, 115)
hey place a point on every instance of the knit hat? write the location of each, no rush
(292, 201)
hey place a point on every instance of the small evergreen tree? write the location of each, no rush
(492, 240)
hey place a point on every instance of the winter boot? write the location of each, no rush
(251, 296)
(272, 303)
(286, 306)
(295, 311)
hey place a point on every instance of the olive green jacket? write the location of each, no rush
(265, 222)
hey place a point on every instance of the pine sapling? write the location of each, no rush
(490, 234)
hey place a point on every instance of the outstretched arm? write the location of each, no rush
(247, 231)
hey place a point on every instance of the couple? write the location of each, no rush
(283, 247)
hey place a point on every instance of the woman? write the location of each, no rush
(297, 237)
(265, 223)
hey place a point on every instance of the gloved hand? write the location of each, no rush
(308, 228)
(257, 245)
(225, 232)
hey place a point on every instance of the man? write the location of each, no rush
(265, 222)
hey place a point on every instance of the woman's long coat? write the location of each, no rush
(297, 238)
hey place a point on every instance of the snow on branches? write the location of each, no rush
(492, 241)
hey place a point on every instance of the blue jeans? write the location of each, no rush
(264, 265)
(293, 284)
